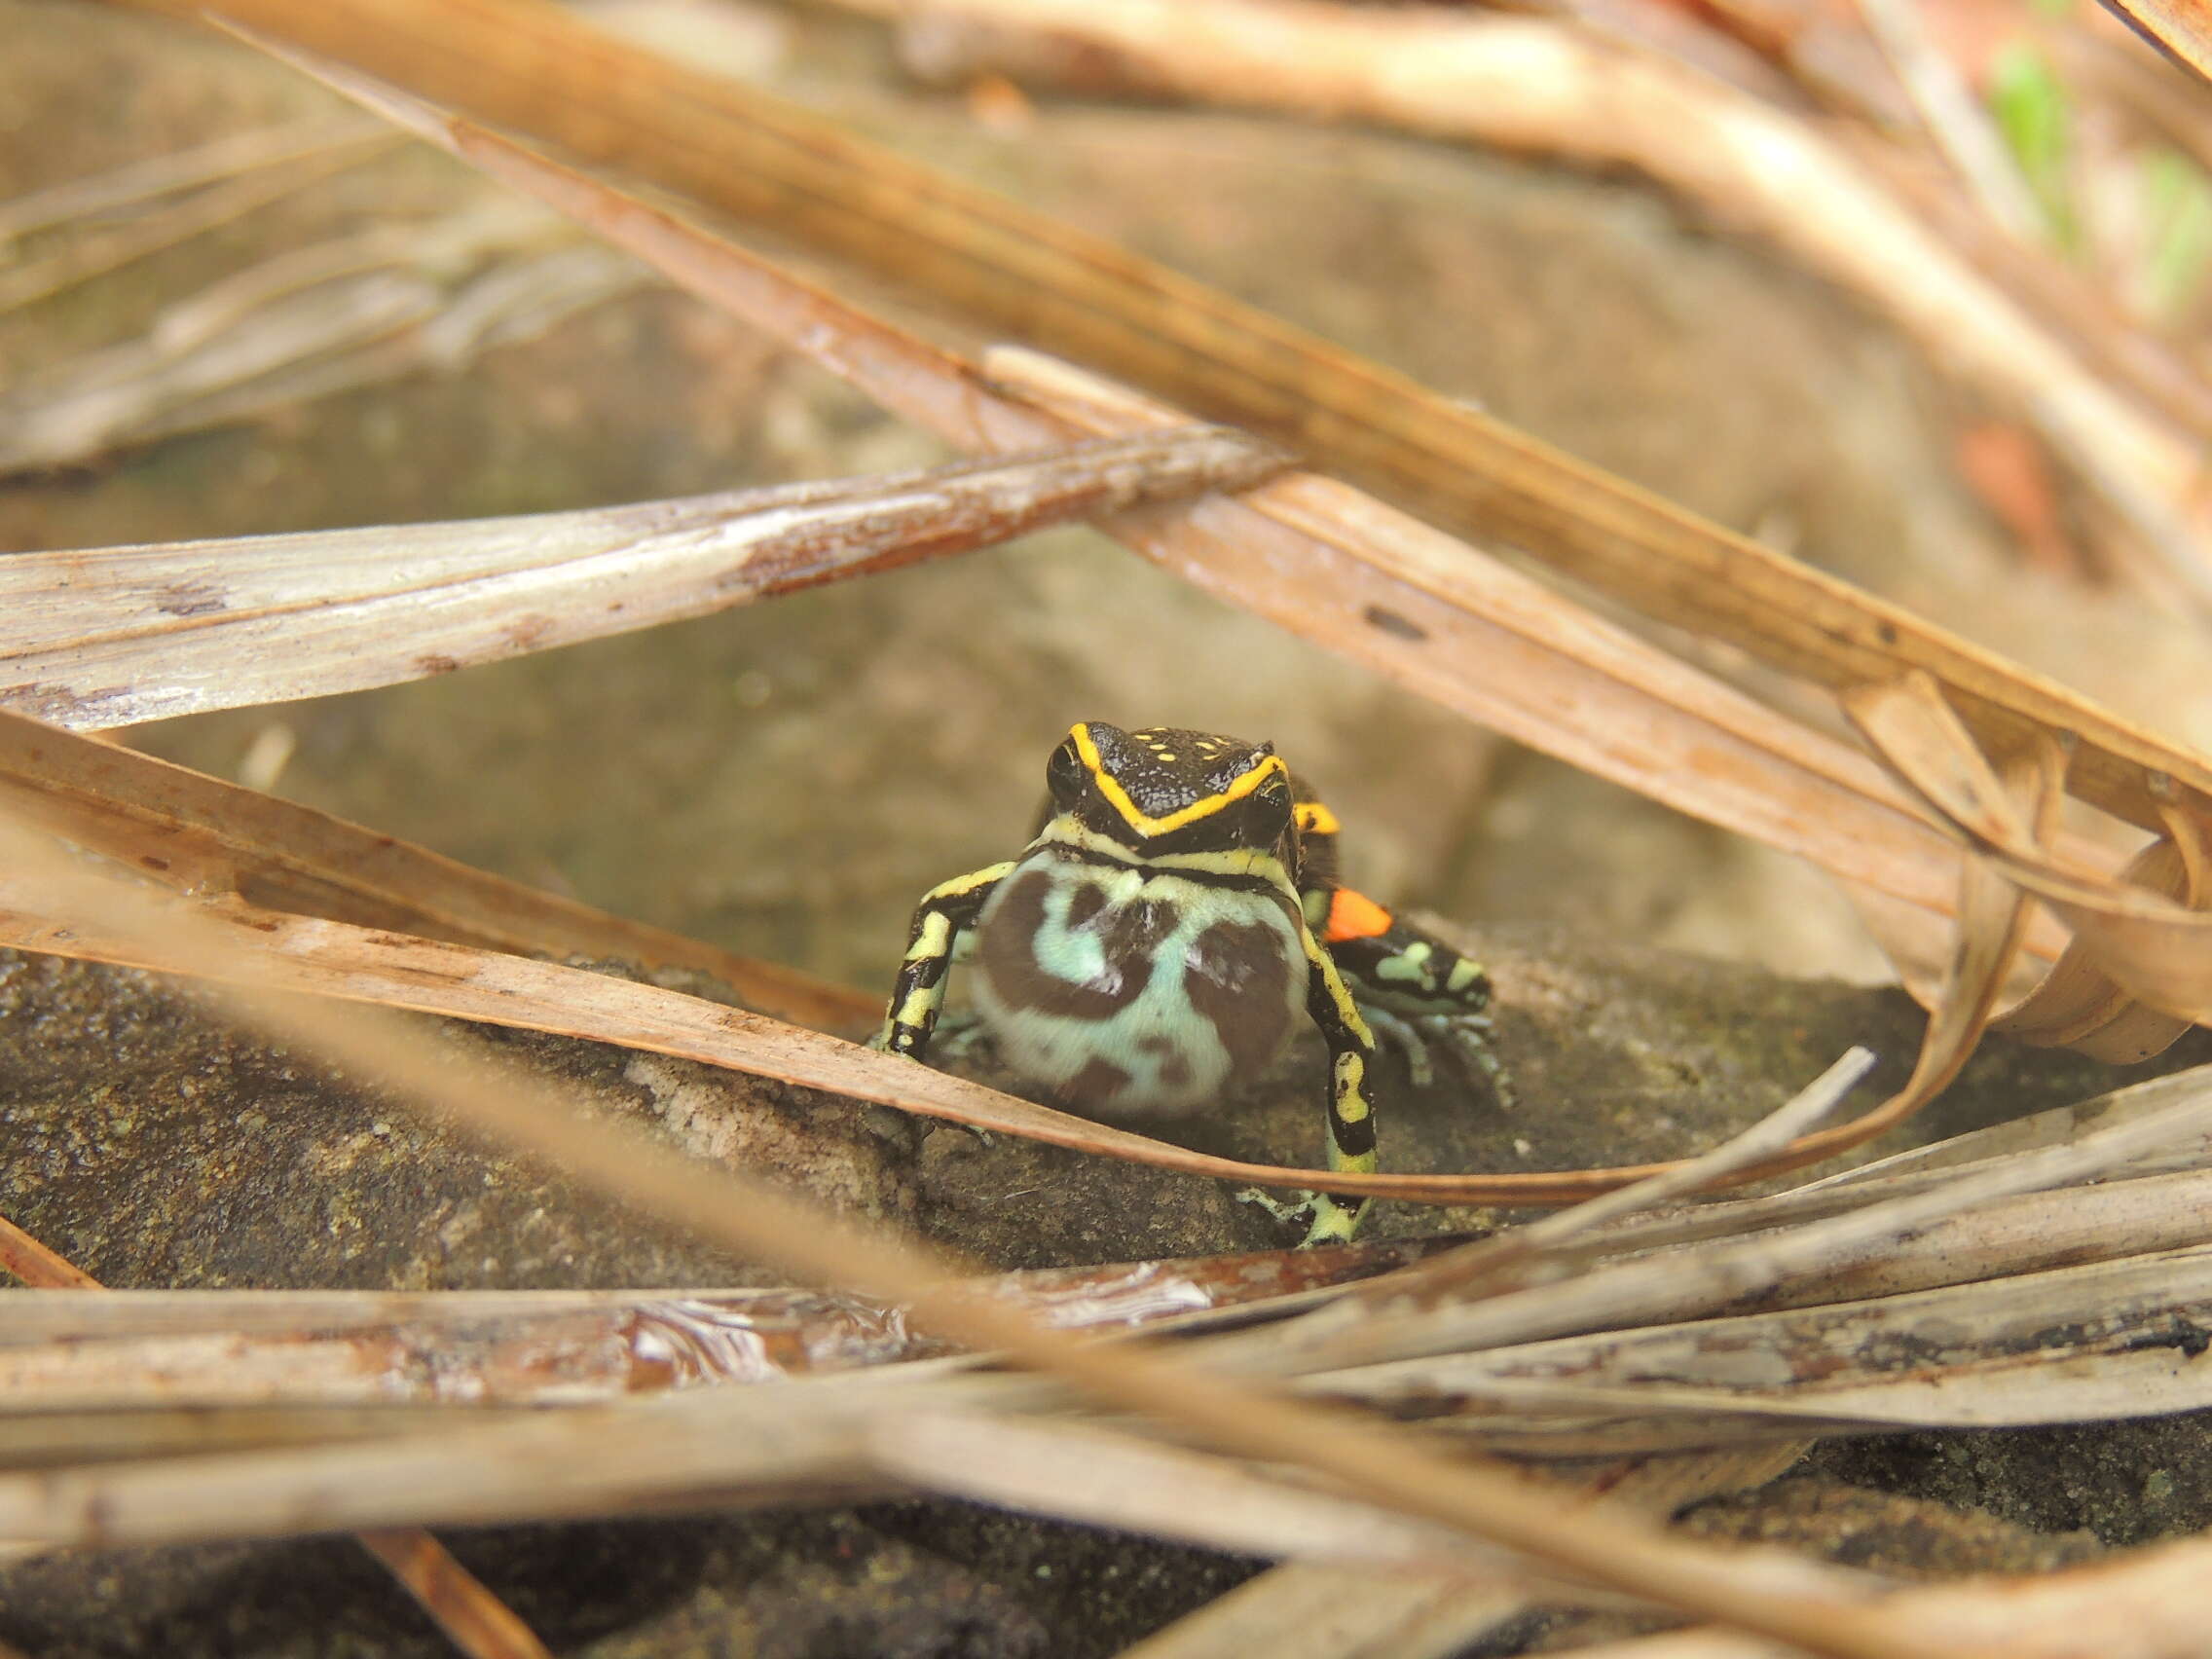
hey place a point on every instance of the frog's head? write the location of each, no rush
(1162, 790)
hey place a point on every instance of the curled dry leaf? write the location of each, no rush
(2154, 946)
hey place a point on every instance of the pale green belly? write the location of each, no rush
(1132, 991)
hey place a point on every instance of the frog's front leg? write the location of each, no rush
(919, 992)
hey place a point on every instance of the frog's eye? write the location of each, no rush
(1064, 774)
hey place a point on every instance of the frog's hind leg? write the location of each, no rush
(1420, 991)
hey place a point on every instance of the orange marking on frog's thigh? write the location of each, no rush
(1353, 915)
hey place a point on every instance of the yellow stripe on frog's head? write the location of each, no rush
(1142, 822)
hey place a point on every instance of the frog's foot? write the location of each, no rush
(1466, 1036)
(1325, 1218)
(1401, 1032)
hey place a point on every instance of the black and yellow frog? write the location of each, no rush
(1160, 939)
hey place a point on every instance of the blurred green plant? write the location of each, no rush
(2034, 113)
(2178, 210)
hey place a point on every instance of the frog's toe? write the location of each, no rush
(1468, 1036)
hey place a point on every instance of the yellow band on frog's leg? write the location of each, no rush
(1350, 1104)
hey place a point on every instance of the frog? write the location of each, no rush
(1175, 917)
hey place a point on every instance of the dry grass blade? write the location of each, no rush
(2180, 28)
(538, 1358)
(897, 1435)
(120, 635)
(95, 253)
(478, 1621)
(35, 1265)
(1490, 1259)
(1782, 1599)
(480, 1624)
(1311, 1611)
(728, 1448)
(1541, 84)
(2060, 1125)
(1118, 1480)
(357, 308)
(2109, 1340)
(1674, 1285)
(2151, 1604)
(910, 1430)
(1461, 626)
(2144, 1199)
(194, 832)
(1947, 108)
(1550, 674)
(1928, 1166)
(56, 1440)
(171, 1350)
(543, 72)
(142, 182)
